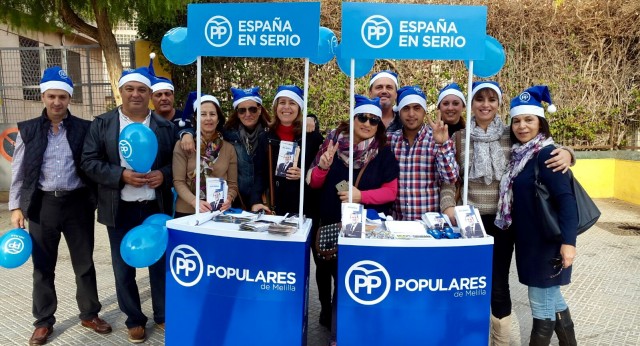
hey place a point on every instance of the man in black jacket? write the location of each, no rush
(125, 197)
(49, 189)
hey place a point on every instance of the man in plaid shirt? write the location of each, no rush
(426, 155)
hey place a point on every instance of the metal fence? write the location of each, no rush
(21, 69)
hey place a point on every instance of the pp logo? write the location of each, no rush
(186, 265)
(14, 246)
(367, 282)
(376, 31)
(63, 74)
(525, 97)
(125, 149)
(218, 31)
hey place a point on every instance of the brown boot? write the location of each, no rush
(500, 334)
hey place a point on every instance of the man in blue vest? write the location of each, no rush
(126, 197)
(49, 189)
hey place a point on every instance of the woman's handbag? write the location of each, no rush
(327, 241)
(588, 212)
(327, 235)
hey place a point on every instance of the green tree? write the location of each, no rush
(94, 18)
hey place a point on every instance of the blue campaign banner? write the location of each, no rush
(414, 295)
(235, 291)
(267, 30)
(399, 31)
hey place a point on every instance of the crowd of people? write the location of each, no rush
(406, 162)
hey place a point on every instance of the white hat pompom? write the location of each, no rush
(551, 108)
(181, 123)
(152, 55)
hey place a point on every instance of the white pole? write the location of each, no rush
(197, 137)
(351, 107)
(467, 135)
(304, 141)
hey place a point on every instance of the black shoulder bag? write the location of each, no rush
(588, 212)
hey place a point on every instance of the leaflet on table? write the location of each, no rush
(407, 229)
(469, 221)
(217, 190)
(287, 157)
(436, 220)
(352, 220)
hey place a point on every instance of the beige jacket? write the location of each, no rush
(226, 167)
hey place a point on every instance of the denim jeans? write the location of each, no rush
(545, 302)
(130, 215)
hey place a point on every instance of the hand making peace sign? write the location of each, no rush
(440, 129)
(327, 158)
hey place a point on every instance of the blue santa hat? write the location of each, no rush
(411, 94)
(479, 85)
(141, 74)
(530, 102)
(450, 89)
(56, 78)
(158, 83)
(384, 74)
(192, 102)
(291, 91)
(250, 94)
(367, 105)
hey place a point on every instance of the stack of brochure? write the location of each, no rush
(469, 221)
(282, 229)
(256, 226)
(407, 229)
(436, 221)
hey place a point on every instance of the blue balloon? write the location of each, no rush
(15, 248)
(362, 66)
(175, 47)
(158, 220)
(143, 245)
(138, 146)
(327, 43)
(494, 59)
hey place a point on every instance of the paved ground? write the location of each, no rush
(604, 297)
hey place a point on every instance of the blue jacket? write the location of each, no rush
(251, 176)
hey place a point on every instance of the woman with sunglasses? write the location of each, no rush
(217, 159)
(372, 156)
(490, 151)
(287, 127)
(246, 130)
(543, 264)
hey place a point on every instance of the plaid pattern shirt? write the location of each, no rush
(424, 166)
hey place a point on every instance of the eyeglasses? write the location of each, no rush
(252, 110)
(362, 117)
(556, 262)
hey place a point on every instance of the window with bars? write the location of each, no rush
(29, 69)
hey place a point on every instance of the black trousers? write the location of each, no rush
(130, 215)
(73, 216)
(503, 245)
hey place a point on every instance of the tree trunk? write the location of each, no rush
(103, 34)
(107, 41)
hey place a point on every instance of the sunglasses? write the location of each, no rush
(556, 262)
(362, 117)
(252, 110)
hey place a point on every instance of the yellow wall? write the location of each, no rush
(143, 48)
(627, 185)
(609, 178)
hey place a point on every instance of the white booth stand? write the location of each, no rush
(231, 287)
(225, 286)
(414, 292)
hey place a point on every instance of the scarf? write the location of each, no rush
(249, 139)
(520, 155)
(488, 161)
(363, 152)
(209, 152)
(286, 133)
